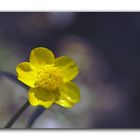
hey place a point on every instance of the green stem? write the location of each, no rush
(17, 114)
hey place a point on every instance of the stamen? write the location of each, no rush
(50, 78)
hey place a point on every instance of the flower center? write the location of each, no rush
(50, 78)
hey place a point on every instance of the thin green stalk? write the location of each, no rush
(17, 114)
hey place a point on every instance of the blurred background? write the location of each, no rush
(106, 47)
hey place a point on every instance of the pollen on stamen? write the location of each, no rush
(50, 78)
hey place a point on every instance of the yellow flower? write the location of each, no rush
(49, 79)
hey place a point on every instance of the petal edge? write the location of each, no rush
(41, 56)
(38, 96)
(26, 73)
(68, 66)
(69, 95)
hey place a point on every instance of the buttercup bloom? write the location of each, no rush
(49, 79)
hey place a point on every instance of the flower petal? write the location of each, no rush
(26, 73)
(39, 96)
(68, 67)
(41, 56)
(69, 95)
